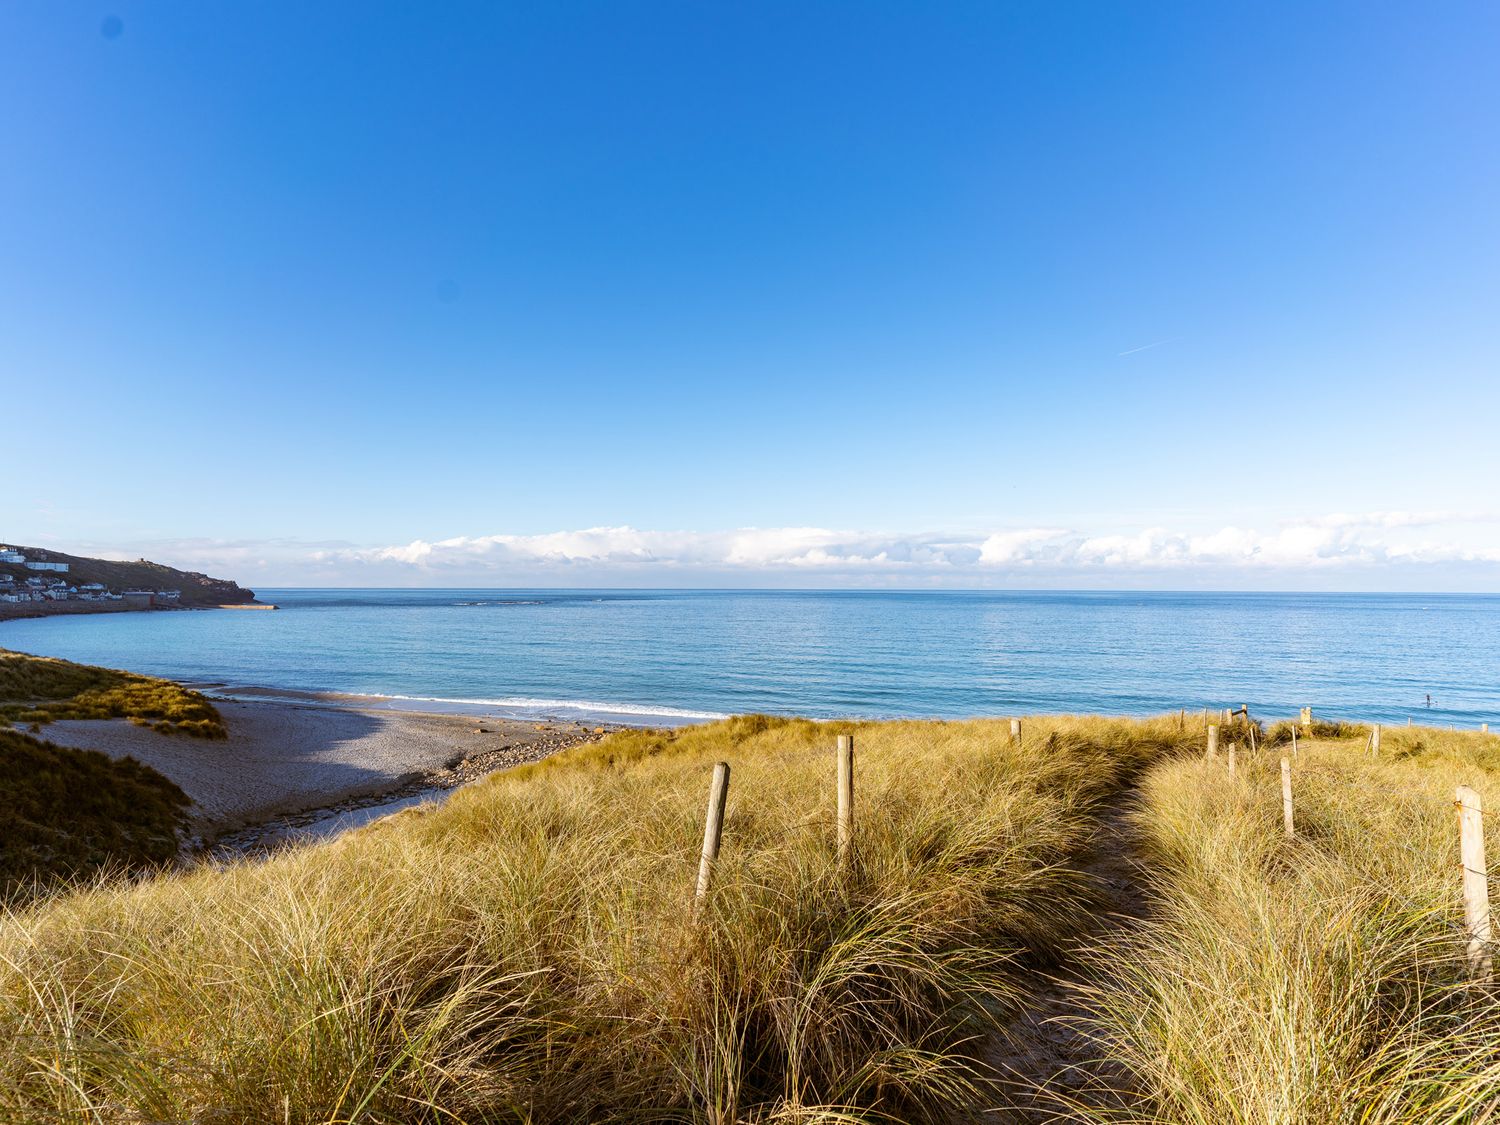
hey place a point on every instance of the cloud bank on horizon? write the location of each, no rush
(1373, 550)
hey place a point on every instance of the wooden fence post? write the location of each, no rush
(1015, 731)
(1294, 740)
(713, 832)
(1286, 797)
(1476, 879)
(1253, 745)
(846, 796)
(1375, 740)
(1228, 716)
(1306, 717)
(1484, 728)
(1231, 759)
(1213, 741)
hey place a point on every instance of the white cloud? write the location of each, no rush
(1018, 547)
(1366, 550)
(1339, 540)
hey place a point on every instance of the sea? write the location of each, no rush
(670, 657)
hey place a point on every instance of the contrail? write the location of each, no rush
(1147, 347)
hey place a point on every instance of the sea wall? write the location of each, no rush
(9, 610)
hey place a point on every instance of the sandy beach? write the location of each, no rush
(286, 757)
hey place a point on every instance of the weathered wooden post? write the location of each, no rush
(1015, 731)
(1375, 740)
(713, 832)
(1228, 716)
(1306, 717)
(1484, 728)
(1294, 740)
(1286, 797)
(846, 796)
(1476, 880)
(1213, 741)
(1253, 745)
(1231, 759)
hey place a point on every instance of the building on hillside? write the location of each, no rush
(11, 555)
(60, 568)
(92, 587)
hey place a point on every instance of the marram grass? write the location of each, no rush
(1313, 980)
(67, 814)
(527, 951)
(39, 689)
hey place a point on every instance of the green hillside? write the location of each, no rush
(197, 589)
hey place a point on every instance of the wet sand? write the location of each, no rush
(287, 757)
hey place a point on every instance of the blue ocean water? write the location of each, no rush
(679, 656)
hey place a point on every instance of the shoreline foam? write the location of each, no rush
(514, 708)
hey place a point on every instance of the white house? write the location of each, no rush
(61, 568)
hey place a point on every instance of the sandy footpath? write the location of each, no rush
(284, 757)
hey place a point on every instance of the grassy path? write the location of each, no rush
(1047, 1059)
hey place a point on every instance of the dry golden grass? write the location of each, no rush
(527, 951)
(1318, 979)
(40, 689)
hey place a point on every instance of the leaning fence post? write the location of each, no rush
(1213, 741)
(1476, 879)
(713, 831)
(846, 796)
(1286, 797)
(1015, 731)
(1294, 740)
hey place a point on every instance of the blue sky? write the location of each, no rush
(771, 294)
